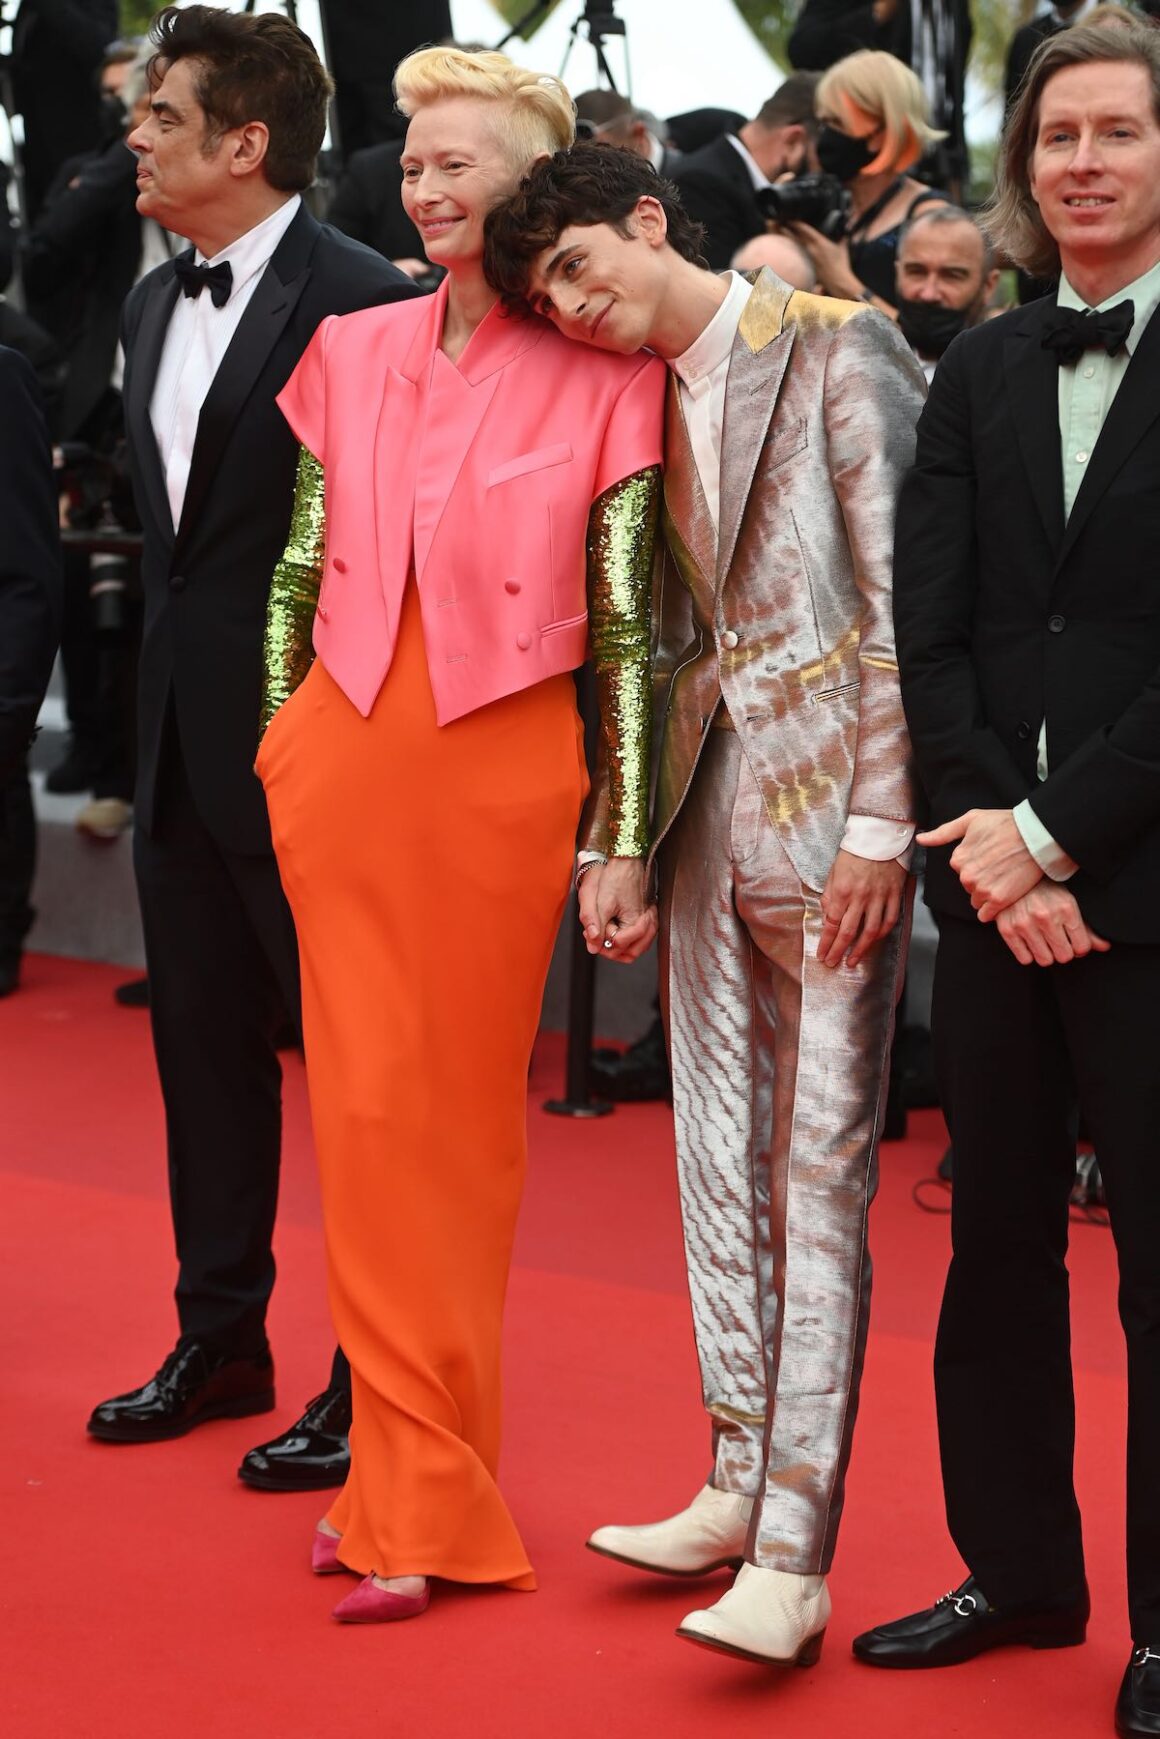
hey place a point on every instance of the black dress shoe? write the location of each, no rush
(194, 1384)
(313, 1455)
(9, 970)
(1138, 1704)
(635, 1075)
(74, 772)
(134, 994)
(964, 1623)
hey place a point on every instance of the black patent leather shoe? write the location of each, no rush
(313, 1455)
(964, 1623)
(196, 1383)
(1138, 1704)
(636, 1075)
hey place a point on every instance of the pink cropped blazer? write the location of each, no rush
(479, 475)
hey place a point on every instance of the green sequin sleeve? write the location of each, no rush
(621, 537)
(287, 649)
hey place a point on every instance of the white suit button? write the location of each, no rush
(523, 641)
(729, 639)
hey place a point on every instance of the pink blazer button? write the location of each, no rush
(511, 586)
(523, 641)
(323, 616)
(339, 565)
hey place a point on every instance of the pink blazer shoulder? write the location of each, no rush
(480, 476)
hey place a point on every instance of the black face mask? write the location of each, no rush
(114, 117)
(841, 154)
(928, 327)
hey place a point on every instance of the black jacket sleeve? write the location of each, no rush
(69, 228)
(30, 570)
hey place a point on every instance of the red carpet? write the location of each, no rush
(147, 1595)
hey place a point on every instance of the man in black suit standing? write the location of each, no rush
(720, 184)
(1027, 603)
(30, 605)
(238, 112)
(57, 47)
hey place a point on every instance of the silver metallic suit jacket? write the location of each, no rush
(786, 616)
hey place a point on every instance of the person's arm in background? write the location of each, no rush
(30, 568)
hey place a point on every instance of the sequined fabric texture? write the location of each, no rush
(621, 538)
(287, 650)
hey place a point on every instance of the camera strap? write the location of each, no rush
(872, 211)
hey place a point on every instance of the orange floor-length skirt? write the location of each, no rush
(427, 869)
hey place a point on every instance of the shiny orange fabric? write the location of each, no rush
(427, 869)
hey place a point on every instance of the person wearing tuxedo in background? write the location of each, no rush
(237, 117)
(1027, 603)
(30, 607)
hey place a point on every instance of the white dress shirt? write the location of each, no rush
(756, 174)
(1086, 391)
(703, 370)
(197, 339)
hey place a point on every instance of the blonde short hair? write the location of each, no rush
(538, 115)
(872, 85)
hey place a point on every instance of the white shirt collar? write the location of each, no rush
(713, 347)
(250, 252)
(656, 152)
(756, 174)
(1143, 293)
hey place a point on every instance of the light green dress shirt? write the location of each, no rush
(1086, 391)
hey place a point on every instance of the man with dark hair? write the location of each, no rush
(1027, 603)
(781, 822)
(719, 184)
(237, 116)
(612, 120)
(945, 274)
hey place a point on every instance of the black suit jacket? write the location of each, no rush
(716, 190)
(1005, 616)
(86, 246)
(30, 571)
(56, 50)
(1020, 50)
(368, 203)
(206, 583)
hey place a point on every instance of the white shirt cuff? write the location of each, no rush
(870, 836)
(1047, 852)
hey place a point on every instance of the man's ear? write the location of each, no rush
(651, 223)
(250, 147)
(990, 282)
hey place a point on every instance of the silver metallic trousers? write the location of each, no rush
(779, 1081)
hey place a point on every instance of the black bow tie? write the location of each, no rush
(1069, 332)
(194, 279)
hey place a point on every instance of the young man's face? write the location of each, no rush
(1095, 164)
(601, 287)
(180, 172)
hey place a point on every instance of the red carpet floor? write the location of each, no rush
(147, 1595)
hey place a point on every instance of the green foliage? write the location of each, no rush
(135, 16)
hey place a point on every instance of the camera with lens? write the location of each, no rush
(819, 200)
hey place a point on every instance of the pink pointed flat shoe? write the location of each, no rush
(371, 1605)
(324, 1560)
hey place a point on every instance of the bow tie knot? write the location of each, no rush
(1070, 331)
(194, 279)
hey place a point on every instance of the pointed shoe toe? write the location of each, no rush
(371, 1605)
(771, 1617)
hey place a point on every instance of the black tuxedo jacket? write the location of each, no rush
(206, 583)
(30, 571)
(716, 190)
(1006, 616)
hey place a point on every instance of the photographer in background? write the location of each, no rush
(945, 276)
(57, 46)
(720, 185)
(872, 127)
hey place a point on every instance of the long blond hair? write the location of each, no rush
(872, 85)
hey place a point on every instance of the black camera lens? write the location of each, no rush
(819, 200)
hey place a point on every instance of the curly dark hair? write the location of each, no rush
(251, 67)
(586, 185)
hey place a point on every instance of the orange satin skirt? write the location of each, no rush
(427, 869)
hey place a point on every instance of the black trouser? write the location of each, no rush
(1019, 1050)
(100, 678)
(17, 861)
(223, 975)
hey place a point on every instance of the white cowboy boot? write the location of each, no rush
(709, 1535)
(770, 1616)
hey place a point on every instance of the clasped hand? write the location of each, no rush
(618, 918)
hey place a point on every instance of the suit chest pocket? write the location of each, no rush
(785, 442)
(538, 460)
